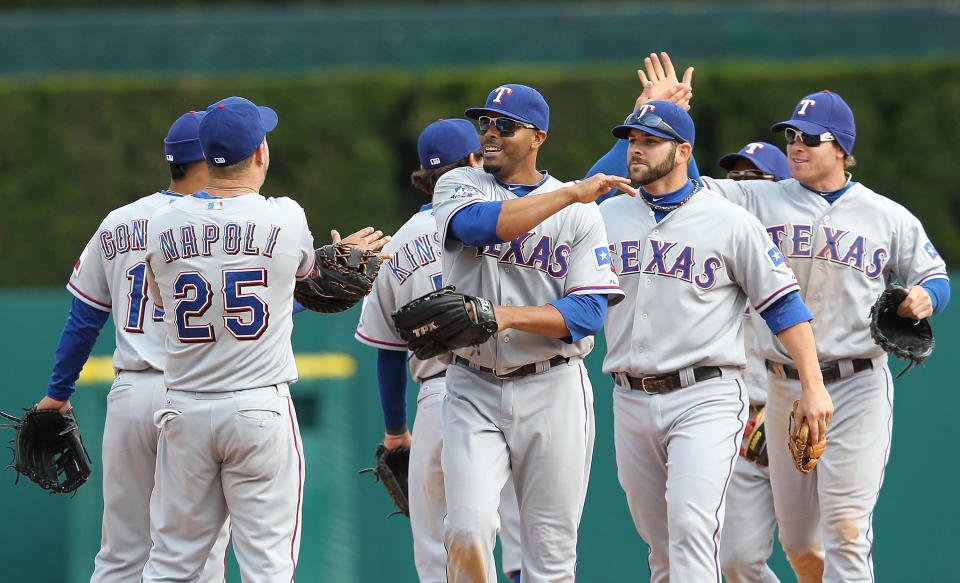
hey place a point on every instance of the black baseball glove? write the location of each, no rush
(48, 449)
(393, 467)
(341, 276)
(439, 322)
(905, 338)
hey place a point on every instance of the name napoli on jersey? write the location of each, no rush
(419, 252)
(668, 259)
(527, 251)
(189, 241)
(839, 246)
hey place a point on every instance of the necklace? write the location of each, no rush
(667, 209)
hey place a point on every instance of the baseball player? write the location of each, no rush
(109, 278)
(414, 271)
(747, 537)
(845, 243)
(687, 261)
(223, 262)
(521, 404)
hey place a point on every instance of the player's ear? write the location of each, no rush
(261, 153)
(683, 154)
(539, 137)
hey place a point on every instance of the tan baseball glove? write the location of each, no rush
(805, 454)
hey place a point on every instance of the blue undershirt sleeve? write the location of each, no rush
(79, 334)
(786, 312)
(583, 314)
(392, 381)
(476, 224)
(939, 291)
(297, 307)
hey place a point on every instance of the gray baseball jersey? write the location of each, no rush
(689, 274)
(225, 311)
(111, 276)
(841, 255)
(414, 270)
(565, 254)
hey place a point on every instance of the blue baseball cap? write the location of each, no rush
(517, 102)
(650, 118)
(765, 156)
(821, 112)
(446, 141)
(233, 128)
(182, 145)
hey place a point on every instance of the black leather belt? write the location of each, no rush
(654, 385)
(829, 370)
(442, 373)
(527, 369)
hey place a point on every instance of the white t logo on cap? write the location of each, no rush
(753, 147)
(501, 91)
(803, 106)
(645, 109)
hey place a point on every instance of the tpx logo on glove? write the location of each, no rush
(425, 329)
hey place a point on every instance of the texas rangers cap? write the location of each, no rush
(650, 117)
(233, 128)
(821, 112)
(517, 102)
(765, 156)
(446, 141)
(182, 145)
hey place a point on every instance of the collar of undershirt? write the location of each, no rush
(522, 189)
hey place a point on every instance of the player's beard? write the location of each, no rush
(651, 173)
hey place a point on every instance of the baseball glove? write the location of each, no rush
(754, 446)
(905, 338)
(805, 454)
(439, 322)
(48, 449)
(392, 469)
(341, 276)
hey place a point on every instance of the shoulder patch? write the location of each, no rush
(931, 250)
(464, 191)
(79, 263)
(601, 256)
(775, 256)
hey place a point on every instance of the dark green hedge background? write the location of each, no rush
(75, 148)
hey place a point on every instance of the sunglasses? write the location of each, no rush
(654, 121)
(809, 140)
(506, 126)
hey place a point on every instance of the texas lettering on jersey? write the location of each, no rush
(668, 259)
(529, 251)
(200, 240)
(838, 246)
(420, 252)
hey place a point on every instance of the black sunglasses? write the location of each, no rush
(809, 140)
(654, 121)
(506, 126)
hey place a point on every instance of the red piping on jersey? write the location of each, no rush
(367, 338)
(939, 274)
(775, 294)
(596, 287)
(107, 306)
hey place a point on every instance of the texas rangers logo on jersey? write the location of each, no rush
(931, 251)
(602, 257)
(543, 255)
(839, 246)
(681, 261)
(775, 256)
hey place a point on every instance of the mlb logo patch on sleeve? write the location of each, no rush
(775, 256)
(602, 257)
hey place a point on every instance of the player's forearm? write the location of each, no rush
(80, 333)
(799, 342)
(543, 320)
(519, 215)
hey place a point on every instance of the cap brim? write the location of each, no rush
(476, 112)
(268, 118)
(728, 160)
(804, 126)
(623, 132)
